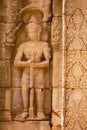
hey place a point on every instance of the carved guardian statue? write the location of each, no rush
(37, 56)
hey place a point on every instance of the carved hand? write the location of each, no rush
(33, 65)
(29, 61)
(43, 64)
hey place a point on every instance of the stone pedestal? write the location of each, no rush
(28, 125)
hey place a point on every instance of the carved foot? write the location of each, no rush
(22, 116)
(40, 115)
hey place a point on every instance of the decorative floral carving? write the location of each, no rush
(76, 67)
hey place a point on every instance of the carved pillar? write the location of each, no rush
(75, 45)
(56, 30)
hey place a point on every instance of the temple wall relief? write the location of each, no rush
(43, 68)
(75, 16)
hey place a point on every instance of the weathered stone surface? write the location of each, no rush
(2, 73)
(2, 41)
(57, 7)
(8, 50)
(76, 108)
(76, 69)
(41, 125)
(10, 32)
(75, 64)
(2, 11)
(56, 127)
(57, 70)
(5, 73)
(5, 116)
(56, 31)
(6, 40)
(56, 43)
(56, 106)
(5, 104)
(7, 97)
(17, 103)
(12, 10)
(71, 6)
(7, 70)
(76, 31)
(1, 98)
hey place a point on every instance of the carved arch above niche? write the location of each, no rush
(42, 12)
(28, 11)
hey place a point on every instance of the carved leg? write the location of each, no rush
(31, 108)
(25, 96)
(40, 103)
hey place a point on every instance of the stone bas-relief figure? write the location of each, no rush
(32, 81)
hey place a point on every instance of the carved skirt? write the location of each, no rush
(38, 78)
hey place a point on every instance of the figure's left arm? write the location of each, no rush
(47, 56)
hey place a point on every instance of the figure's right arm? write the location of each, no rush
(18, 59)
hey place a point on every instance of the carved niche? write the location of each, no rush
(30, 70)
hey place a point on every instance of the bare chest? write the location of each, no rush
(33, 51)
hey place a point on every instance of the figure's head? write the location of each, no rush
(33, 29)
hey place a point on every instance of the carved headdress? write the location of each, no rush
(33, 24)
